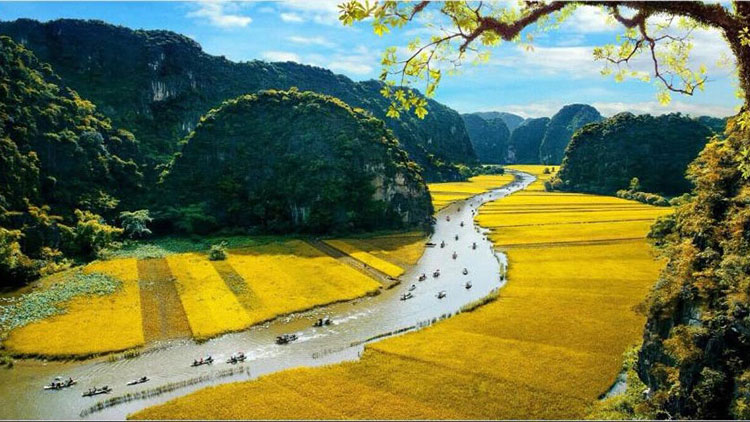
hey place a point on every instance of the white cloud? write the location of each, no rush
(291, 17)
(319, 11)
(350, 66)
(221, 14)
(321, 41)
(588, 20)
(281, 56)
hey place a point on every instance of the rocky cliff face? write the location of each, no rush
(290, 161)
(524, 142)
(560, 129)
(489, 138)
(159, 83)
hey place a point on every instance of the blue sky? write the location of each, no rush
(559, 71)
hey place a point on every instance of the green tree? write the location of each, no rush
(135, 223)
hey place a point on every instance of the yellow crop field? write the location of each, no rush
(446, 193)
(402, 249)
(291, 276)
(360, 255)
(547, 348)
(211, 308)
(186, 294)
(91, 324)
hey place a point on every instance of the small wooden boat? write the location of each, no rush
(407, 296)
(455, 255)
(412, 287)
(468, 285)
(286, 338)
(441, 294)
(442, 244)
(456, 237)
(448, 218)
(59, 384)
(422, 277)
(430, 244)
(322, 321)
(465, 271)
(140, 380)
(96, 391)
(237, 358)
(436, 273)
(474, 245)
(203, 361)
(462, 224)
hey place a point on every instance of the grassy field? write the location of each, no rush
(445, 193)
(185, 294)
(547, 348)
(400, 249)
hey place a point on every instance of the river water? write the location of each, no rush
(354, 324)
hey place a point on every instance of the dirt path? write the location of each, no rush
(360, 266)
(161, 308)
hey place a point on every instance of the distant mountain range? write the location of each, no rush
(506, 138)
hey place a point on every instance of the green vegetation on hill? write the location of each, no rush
(561, 128)
(604, 157)
(523, 146)
(489, 137)
(511, 120)
(159, 83)
(62, 166)
(290, 161)
(695, 357)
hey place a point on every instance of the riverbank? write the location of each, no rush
(166, 293)
(547, 348)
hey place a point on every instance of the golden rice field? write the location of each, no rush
(547, 348)
(186, 294)
(400, 249)
(356, 251)
(445, 193)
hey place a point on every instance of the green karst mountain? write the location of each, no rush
(604, 157)
(523, 145)
(296, 161)
(511, 120)
(158, 83)
(560, 129)
(489, 138)
(57, 155)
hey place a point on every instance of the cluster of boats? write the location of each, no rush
(286, 338)
(59, 384)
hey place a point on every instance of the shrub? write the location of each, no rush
(134, 223)
(90, 234)
(218, 252)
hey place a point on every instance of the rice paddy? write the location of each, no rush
(444, 194)
(551, 343)
(183, 295)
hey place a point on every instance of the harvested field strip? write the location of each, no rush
(366, 258)
(90, 324)
(210, 306)
(403, 250)
(163, 315)
(241, 289)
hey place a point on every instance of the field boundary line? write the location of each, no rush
(349, 260)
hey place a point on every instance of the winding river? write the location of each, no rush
(355, 323)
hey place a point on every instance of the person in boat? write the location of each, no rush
(442, 244)
(455, 255)
(462, 224)
(456, 237)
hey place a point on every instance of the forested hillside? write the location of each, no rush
(159, 83)
(523, 145)
(62, 165)
(286, 161)
(489, 137)
(604, 157)
(561, 127)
